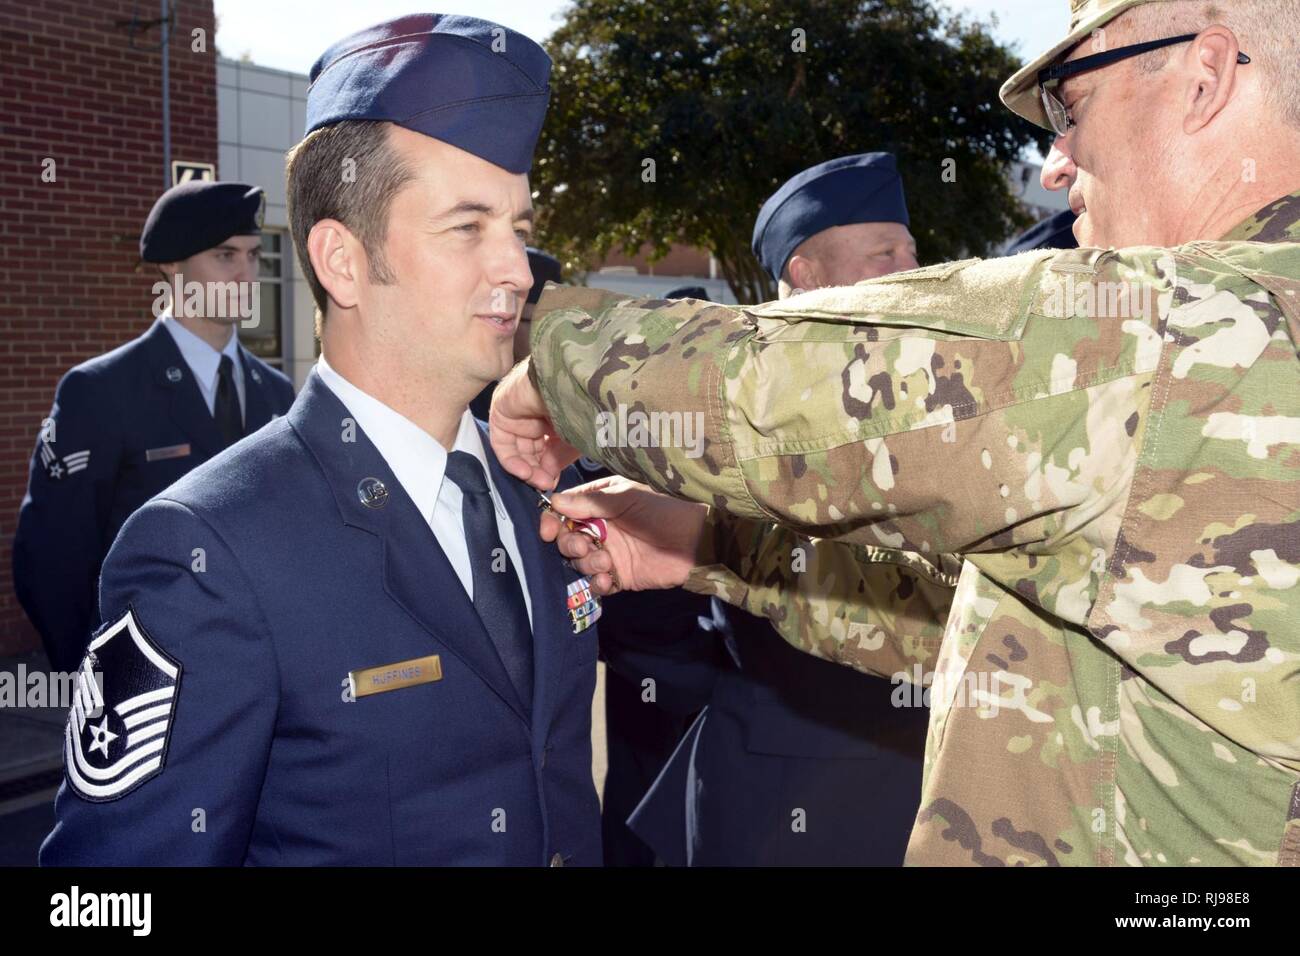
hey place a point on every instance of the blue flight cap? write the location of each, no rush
(688, 292)
(545, 268)
(469, 82)
(839, 192)
(200, 215)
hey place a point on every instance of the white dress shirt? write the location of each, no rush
(205, 362)
(418, 462)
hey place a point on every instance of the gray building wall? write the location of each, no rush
(260, 114)
(1026, 183)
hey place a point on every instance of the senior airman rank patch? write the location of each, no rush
(59, 468)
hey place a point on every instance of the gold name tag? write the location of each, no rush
(376, 680)
(171, 451)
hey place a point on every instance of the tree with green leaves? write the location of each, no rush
(673, 121)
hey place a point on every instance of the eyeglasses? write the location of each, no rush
(1057, 114)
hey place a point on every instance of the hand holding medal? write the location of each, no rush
(623, 535)
(593, 528)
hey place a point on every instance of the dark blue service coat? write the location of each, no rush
(126, 425)
(243, 597)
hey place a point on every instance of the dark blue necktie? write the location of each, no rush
(226, 408)
(498, 598)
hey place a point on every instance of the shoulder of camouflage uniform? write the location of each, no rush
(1273, 265)
(560, 298)
(985, 298)
(979, 298)
(1276, 222)
(594, 301)
(992, 298)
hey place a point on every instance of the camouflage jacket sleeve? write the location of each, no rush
(944, 410)
(874, 609)
(1044, 415)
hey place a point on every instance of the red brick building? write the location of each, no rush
(81, 162)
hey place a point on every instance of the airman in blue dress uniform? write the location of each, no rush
(342, 641)
(127, 424)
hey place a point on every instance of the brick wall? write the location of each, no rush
(74, 89)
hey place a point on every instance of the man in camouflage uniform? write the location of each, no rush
(1105, 439)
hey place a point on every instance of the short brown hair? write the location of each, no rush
(347, 171)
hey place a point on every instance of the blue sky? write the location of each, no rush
(290, 34)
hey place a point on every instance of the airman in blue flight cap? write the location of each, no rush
(778, 728)
(378, 662)
(836, 223)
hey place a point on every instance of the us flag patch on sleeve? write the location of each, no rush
(117, 732)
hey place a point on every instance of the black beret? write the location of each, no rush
(195, 216)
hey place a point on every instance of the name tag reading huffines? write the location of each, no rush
(376, 680)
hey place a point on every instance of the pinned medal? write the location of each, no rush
(583, 606)
(593, 528)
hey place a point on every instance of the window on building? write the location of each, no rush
(265, 340)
